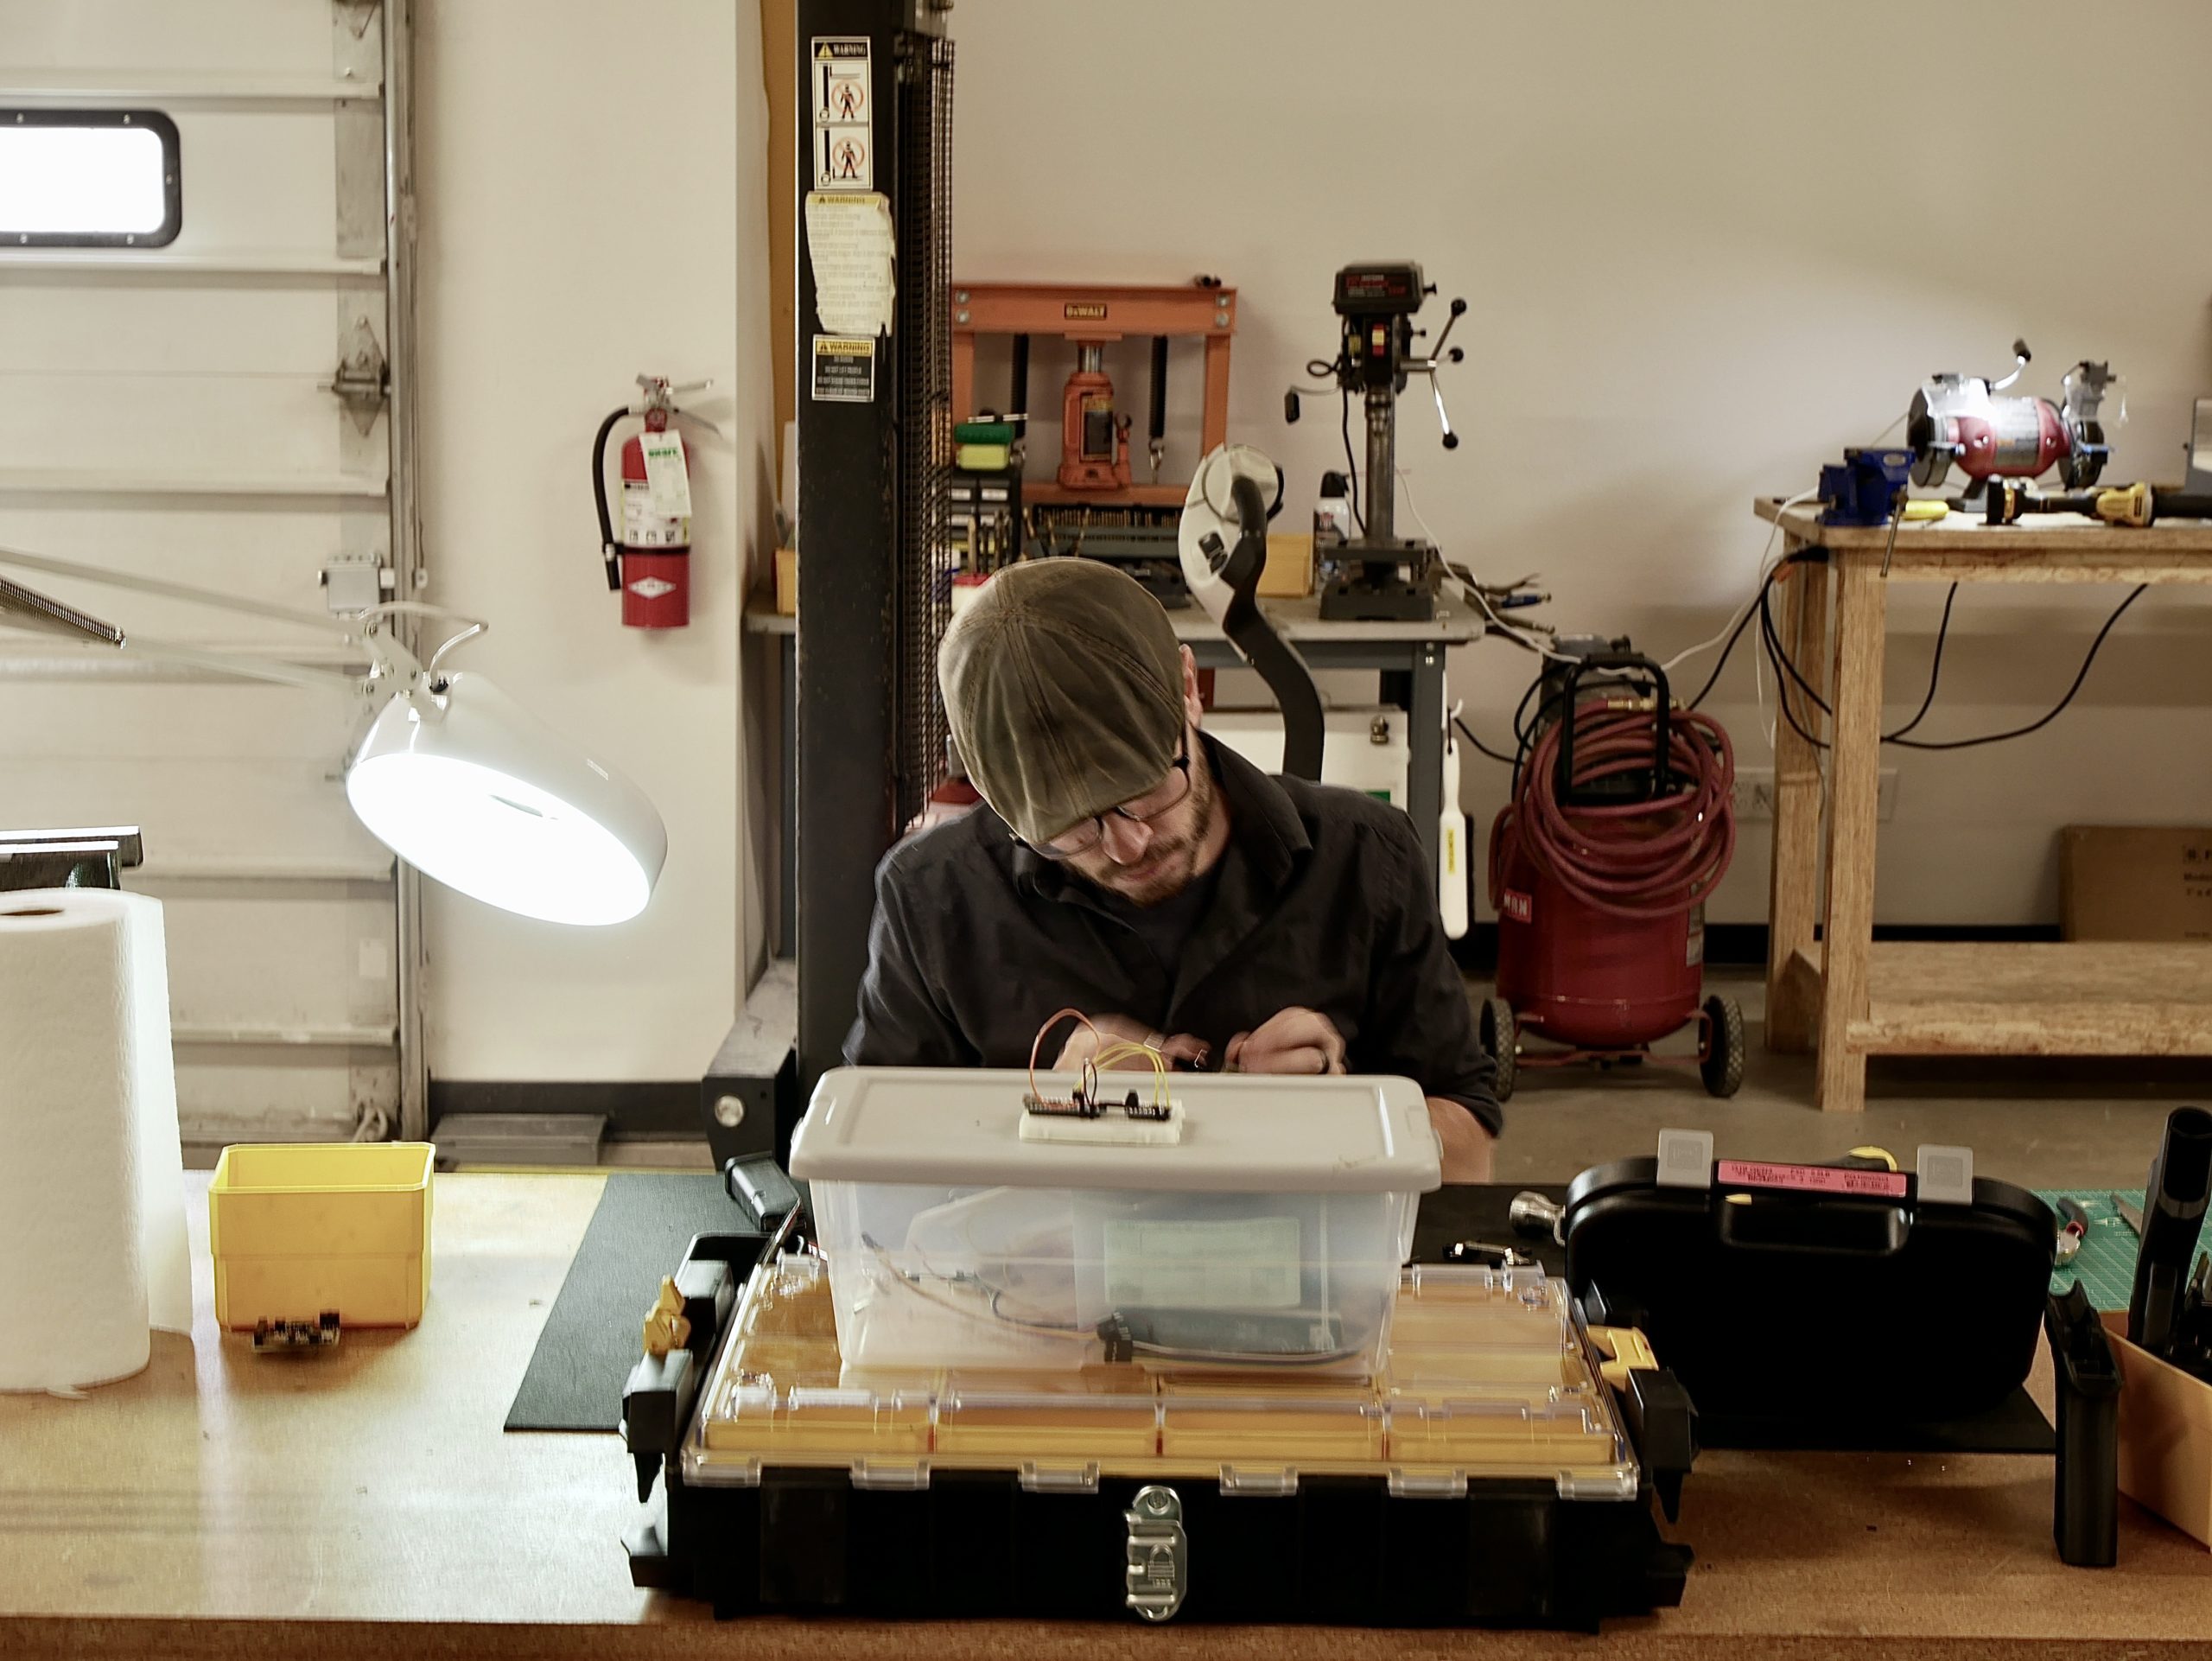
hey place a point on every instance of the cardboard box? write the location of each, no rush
(2166, 1435)
(1288, 574)
(787, 582)
(2118, 882)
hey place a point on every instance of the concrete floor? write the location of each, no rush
(2040, 1124)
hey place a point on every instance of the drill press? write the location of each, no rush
(1379, 574)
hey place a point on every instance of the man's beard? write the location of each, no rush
(1167, 867)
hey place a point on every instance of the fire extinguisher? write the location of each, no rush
(651, 564)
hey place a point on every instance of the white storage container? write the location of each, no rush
(1263, 1225)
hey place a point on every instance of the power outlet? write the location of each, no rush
(1754, 796)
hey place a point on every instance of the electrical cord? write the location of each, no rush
(1343, 408)
(1934, 668)
(1784, 665)
(1336, 369)
(1765, 572)
(1468, 733)
(2056, 710)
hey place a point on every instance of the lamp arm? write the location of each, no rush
(368, 627)
(245, 666)
(323, 620)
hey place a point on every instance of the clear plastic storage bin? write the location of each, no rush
(1260, 1224)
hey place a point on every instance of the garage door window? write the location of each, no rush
(88, 179)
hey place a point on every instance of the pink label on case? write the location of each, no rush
(1811, 1178)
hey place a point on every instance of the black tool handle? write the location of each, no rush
(1630, 665)
(2173, 1211)
(2085, 1490)
(1255, 638)
(609, 550)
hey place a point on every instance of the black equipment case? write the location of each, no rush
(1852, 1289)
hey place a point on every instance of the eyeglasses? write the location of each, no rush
(1167, 794)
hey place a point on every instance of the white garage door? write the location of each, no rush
(214, 412)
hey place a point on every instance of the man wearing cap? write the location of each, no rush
(1126, 865)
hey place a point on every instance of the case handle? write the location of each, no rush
(1779, 1223)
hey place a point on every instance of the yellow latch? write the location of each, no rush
(1627, 1350)
(666, 1327)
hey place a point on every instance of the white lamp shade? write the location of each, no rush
(469, 787)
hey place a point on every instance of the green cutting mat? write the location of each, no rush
(2106, 1263)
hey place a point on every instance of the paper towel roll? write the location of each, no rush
(93, 1244)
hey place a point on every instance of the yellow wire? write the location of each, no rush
(1126, 1049)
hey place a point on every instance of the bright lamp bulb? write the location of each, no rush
(469, 789)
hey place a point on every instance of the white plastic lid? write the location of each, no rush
(1243, 1133)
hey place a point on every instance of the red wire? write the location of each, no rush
(1037, 1043)
(1638, 860)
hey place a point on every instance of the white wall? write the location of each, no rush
(1707, 243)
(593, 206)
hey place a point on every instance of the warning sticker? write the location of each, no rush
(843, 96)
(844, 369)
(840, 160)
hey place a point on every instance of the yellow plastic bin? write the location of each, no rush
(301, 1228)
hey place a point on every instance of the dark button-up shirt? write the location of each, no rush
(1323, 899)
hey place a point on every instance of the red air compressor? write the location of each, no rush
(1622, 822)
(651, 564)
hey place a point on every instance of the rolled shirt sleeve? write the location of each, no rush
(1419, 1022)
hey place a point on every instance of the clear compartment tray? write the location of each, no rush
(1485, 1375)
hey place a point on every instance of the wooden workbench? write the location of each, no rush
(1844, 994)
(208, 1506)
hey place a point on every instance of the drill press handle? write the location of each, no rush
(1436, 359)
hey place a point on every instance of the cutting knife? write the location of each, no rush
(2130, 1214)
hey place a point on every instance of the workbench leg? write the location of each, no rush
(1425, 753)
(1793, 1002)
(1854, 796)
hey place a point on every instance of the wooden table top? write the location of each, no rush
(2045, 548)
(204, 1506)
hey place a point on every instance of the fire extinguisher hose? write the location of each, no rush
(609, 550)
(1639, 860)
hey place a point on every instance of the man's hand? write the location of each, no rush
(1120, 1029)
(1293, 1040)
(1466, 1146)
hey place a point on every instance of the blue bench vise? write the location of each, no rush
(1864, 487)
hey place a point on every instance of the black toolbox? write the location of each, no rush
(1858, 1290)
(886, 1539)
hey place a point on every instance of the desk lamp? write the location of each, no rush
(450, 773)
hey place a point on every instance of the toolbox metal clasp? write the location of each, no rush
(1159, 1553)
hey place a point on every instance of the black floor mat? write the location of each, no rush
(590, 1341)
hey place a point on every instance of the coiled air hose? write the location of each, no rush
(1642, 857)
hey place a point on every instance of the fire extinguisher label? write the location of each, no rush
(1694, 953)
(644, 525)
(1516, 906)
(651, 588)
(668, 478)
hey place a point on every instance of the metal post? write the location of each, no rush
(1381, 476)
(406, 529)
